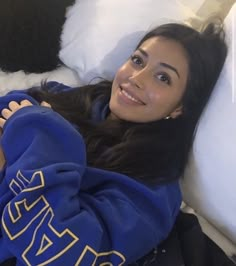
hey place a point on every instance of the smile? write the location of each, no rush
(129, 97)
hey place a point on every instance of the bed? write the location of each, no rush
(92, 47)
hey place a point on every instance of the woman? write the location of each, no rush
(56, 206)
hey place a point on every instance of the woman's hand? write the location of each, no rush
(12, 108)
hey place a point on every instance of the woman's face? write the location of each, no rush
(150, 85)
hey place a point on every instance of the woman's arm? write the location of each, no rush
(58, 211)
(2, 122)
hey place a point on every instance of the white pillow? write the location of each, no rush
(209, 185)
(99, 35)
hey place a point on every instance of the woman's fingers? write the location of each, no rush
(25, 103)
(45, 104)
(2, 122)
(13, 106)
(6, 113)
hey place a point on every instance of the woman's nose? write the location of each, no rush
(138, 79)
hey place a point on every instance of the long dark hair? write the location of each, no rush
(154, 152)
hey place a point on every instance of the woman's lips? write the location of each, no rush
(129, 96)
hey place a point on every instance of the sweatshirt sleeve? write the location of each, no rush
(58, 211)
(38, 144)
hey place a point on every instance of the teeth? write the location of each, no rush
(129, 96)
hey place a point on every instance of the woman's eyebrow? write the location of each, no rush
(144, 53)
(171, 68)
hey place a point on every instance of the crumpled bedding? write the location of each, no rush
(20, 80)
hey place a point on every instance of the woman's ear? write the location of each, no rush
(177, 112)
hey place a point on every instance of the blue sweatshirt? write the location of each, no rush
(56, 210)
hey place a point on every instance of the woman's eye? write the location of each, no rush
(164, 78)
(136, 60)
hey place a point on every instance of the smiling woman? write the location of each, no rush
(113, 189)
(151, 84)
(152, 106)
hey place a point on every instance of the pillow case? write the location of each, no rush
(209, 182)
(99, 35)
